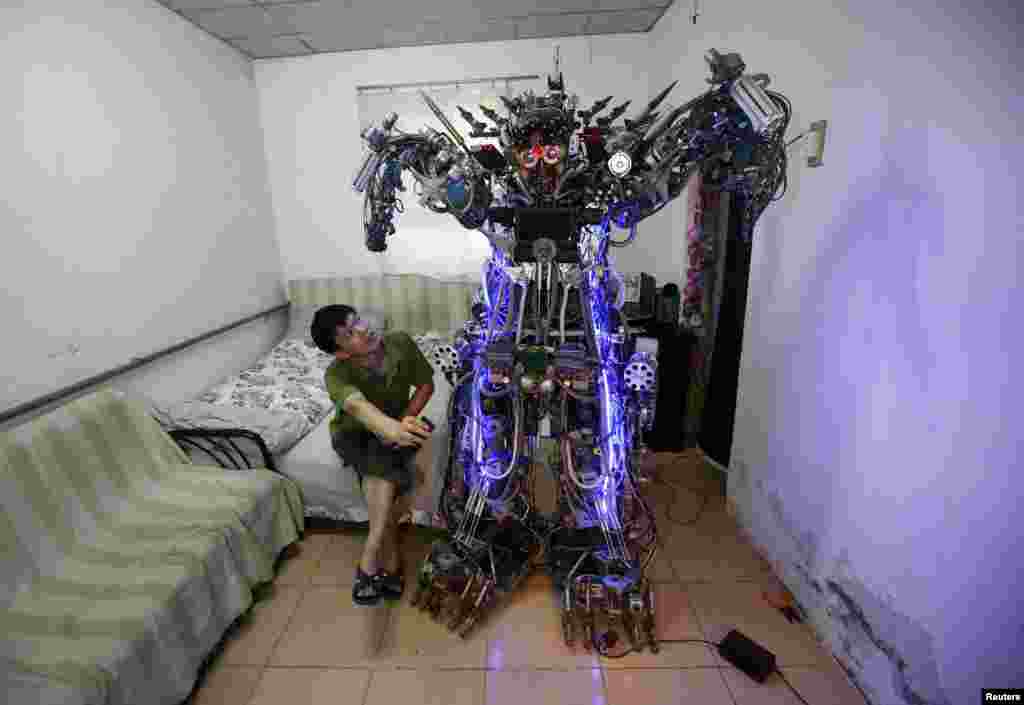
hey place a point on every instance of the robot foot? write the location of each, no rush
(455, 589)
(597, 617)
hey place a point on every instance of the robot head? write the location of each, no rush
(537, 136)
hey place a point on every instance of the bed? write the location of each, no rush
(282, 403)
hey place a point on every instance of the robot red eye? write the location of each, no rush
(552, 154)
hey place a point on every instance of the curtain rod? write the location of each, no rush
(33, 405)
(465, 82)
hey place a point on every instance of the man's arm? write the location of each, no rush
(422, 378)
(373, 419)
(378, 423)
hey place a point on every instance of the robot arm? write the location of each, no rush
(734, 133)
(451, 178)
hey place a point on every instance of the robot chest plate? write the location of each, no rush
(546, 234)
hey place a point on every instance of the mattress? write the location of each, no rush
(283, 399)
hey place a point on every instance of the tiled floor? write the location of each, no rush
(304, 643)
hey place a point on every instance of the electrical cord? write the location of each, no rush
(601, 652)
(668, 512)
(791, 687)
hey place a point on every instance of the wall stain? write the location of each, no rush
(856, 622)
(917, 685)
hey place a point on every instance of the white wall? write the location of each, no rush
(876, 459)
(310, 123)
(136, 209)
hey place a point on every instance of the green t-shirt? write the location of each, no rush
(390, 391)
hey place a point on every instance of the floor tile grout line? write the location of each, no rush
(288, 624)
(389, 669)
(483, 690)
(604, 684)
(700, 626)
(366, 690)
(256, 687)
(456, 669)
(725, 682)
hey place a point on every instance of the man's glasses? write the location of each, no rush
(356, 326)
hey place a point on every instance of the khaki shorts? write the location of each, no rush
(370, 457)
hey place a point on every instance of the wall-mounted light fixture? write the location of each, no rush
(817, 135)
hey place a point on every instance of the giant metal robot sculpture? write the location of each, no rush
(548, 354)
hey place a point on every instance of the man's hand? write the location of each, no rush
(414, 425)
(409, 432)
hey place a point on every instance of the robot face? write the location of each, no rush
(538, 138)
(541, 163)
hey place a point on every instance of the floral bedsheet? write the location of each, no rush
(289, 378)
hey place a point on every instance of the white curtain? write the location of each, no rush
(425, 241)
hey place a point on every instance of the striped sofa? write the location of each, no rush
(415, 303)
(123, 564)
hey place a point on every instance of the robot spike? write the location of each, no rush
(493, 116)
(615, 114)
(597, 107)
(655, 103)
(601, 105)
(471, 119)
(511, 106)
(559, 83)
(453, 133)
(640, 123)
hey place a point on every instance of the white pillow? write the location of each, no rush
(280, 430)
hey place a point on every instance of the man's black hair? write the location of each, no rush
(324, 328)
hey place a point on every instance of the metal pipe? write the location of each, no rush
(522, 309)
(515, 445)
(134, 363)
(433, 84)
(561, 317)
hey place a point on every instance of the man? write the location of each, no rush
(376, 430)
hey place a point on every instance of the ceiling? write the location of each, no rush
(263, 29)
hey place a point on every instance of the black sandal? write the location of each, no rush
(392, 585)
(368, 590)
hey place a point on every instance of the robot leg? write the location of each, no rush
(603, 591)
(488, 550)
